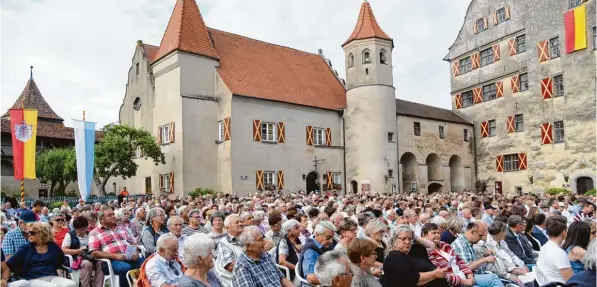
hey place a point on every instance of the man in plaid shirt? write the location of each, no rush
(459, 272)
(108, 242)
(14, 239)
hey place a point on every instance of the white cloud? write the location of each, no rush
(81, 50)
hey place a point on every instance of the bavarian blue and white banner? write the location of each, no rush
(85, 151)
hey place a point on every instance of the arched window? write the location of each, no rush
(382, 56)
(366, 57)
(137, 104)
(350, 60)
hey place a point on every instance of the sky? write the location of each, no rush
(82, 50)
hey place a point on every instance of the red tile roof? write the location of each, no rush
(367, 26)
(186, 32)
(31, 98)
(253, 68)
(150, 51)
(55, 130)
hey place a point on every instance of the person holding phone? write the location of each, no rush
(75, 244)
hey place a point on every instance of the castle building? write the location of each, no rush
(522, 73)
(237, 115)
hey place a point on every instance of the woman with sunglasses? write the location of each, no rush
(38, 261)
(58, 229)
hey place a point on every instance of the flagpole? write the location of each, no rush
(84, 120)
(22, 179)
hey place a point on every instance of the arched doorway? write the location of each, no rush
(456, 173)
(312, 182)
(409, 170)
(434, 187)
(434, 168)
(584, 184)
(354, 186)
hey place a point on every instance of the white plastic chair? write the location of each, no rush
(110, 278)
(221, 272)
(303, 281)
(285, 270)
(129, 278)
(75, 275)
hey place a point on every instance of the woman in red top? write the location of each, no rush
(58, 228)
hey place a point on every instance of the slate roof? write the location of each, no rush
(412, 109)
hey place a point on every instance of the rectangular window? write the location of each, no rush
(480, 25)
(594, 38)
(268, 132)
(417, 128)
(519, 189)
(390, 173)
(269, 181)
(336, 178)
(501, 15)
(574, 3)
(558, 85)
(465, 135)
(465, 65)
(511, 162)
(523, 82)
(165, 134)
(319, 136)
(518, 123)
(167, 182)
(138, 151)
(221, 131)
(486, 57)
(492, 128)
(489, 92)
(554, 48)
(467, 99)
(413, 186)
(521, 42)
(441, 132)
(391, 137)
(558, 129)
(137, 69)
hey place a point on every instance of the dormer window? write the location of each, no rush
(350, 60)
(366, 57)
(382, 57)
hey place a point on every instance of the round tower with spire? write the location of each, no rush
(371, 149)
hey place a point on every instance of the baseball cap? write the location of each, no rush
(28, 216)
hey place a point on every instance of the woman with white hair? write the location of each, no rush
(197, 252)
(153, 229)
(289, 247)
(588, 277)
(375, 231)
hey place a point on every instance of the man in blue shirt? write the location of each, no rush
(323, 235)
(17, 237)
(11, 211)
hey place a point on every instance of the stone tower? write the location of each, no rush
(370, 117)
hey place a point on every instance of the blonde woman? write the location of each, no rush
(38, 261)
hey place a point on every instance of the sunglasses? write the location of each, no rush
(59, 219)
(32, 233)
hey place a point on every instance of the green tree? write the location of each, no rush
(115, 153)
(57, 167)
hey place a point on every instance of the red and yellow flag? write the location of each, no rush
(575, 22)
(23, 127)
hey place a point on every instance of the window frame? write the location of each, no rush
(166, 134)
(264, 136)
(417, 127)
(391, 137)
(480, 28)
(520, 82)
(266, 176)
(511, 162)
(315, 137)
(554, 48)
(487, 58)
(365, 53)
(336, 178)
(221, 131)
(465, 135)
(469, 97)
(502, 14)
(137, 68)
(558, 88)
(594, 37)
(561, 131)
(350, 60)
(518, 128)
(519, 44)
(166, 181)
(490, 128)
(137, 103)
(390, 173)
(383, 58)
(441, 131)
(467, 66)
(491, 92)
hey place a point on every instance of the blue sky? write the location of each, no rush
(81, 50)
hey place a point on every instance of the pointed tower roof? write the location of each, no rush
(31, 98)
(367, 26)
(186, 32)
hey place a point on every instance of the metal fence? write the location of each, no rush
(72, 201)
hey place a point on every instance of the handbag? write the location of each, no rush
(76, 265)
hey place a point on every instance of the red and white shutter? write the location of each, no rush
(328, 136)
(512, 47)
(500, 89)
(508, 15)
(499, 163)
(546, 88)
(546, 133)
(478, 95)
(161, 182)
(227, 129)
(542, 51)
(329, 183)
(309, 135)
(484, 129)
(257, 130)
(510, 124)
(458, 101)
(496, 52)
(280, 180)
(456, 68)
(159, 135)
(172, 132)
(281, 133)
(259, 179)
(514, 84)
(171, 183)
(522, 161)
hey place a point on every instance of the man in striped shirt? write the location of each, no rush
(586, 212)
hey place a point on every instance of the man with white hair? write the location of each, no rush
(413, 221)
(138, 223)
(333, 269)
(175, 227)
(323, 235)
(229, 249)
(254, 266)
(163, 268)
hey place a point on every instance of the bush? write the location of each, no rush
(591, 192)
(53, 205)
(200, 191)
(558, 190)
(111, 194)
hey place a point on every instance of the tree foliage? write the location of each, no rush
(115, 153)
(57, 167)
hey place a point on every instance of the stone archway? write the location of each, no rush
(409, 170)
(456, 173)
(354, 187)
(312, 181)
(434, 168)
(434, 187)
(584, 184)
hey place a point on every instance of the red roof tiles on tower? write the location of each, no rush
(367, 26)
(31, 98)
(186, 32)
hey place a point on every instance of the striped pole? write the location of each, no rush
(22, 190)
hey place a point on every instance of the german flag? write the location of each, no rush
(575, 22)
